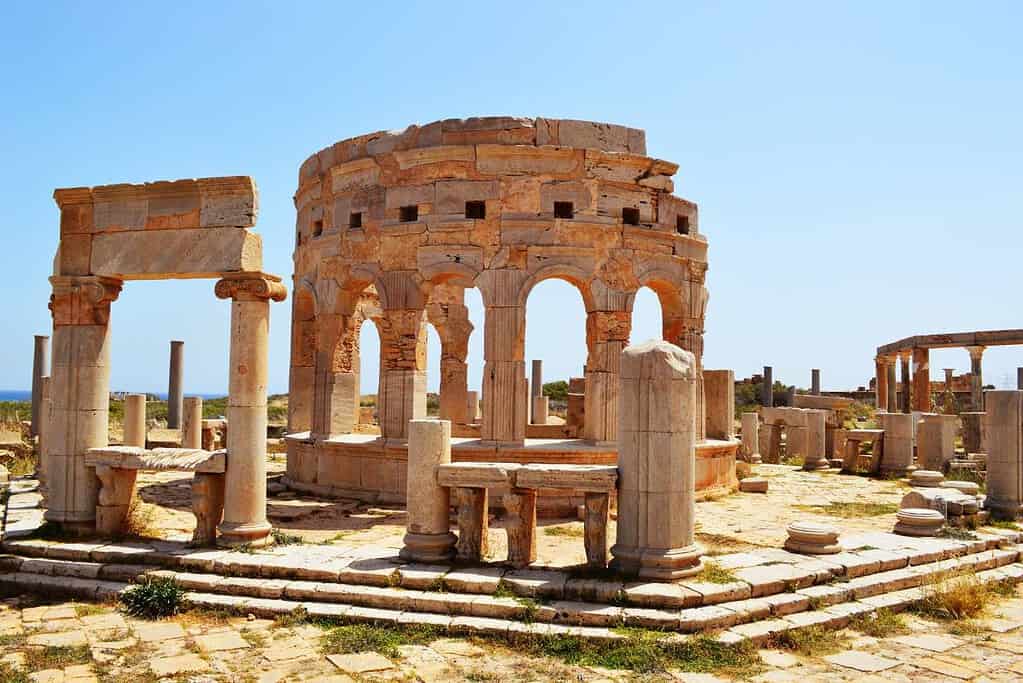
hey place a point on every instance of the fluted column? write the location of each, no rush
(921, 380)
(905, 379)
(892, 403)
(79, 387)
(881, 382)
(245, 482)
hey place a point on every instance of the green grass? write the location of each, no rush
(369, 638)
(569, 530)
(1003, 524)
(8, 674)
(852, 510)
(282, 537)
(38, 659)
(713, 572)
(880, 624)
(810, 641)
(88, 610)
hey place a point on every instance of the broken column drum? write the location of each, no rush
(392, 228)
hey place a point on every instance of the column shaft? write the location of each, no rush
(1005, 454)
(921, 380)
(815, 382)
(40, 369)
(191, 423)
(175, 385)
(904, 381)
(135, 420)
(881, 383)
(505, 389)
(976, 377)
(892, 405)
(767, 388)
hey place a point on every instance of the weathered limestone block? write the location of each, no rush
(158, 254)
(656, 459)
(520, 508)
(114, 499)
(590, 478)
(428, 538)
(948, 501)
(207, 506)
(898, 443)
(1005, 453)
(918, 522)
(751, 438)
(753, 485)
(925, 478)
(472, 523)
(812, 538)
(476, 474)
(595, 521)
(719, 399)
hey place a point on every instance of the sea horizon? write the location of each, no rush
(26, 394)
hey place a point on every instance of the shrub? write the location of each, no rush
(153, 598)
(556, 391)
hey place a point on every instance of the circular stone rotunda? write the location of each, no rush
(393, 227)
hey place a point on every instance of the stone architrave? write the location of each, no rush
(719, 400)
(40, 369)
(428, 537)
(656, 461)
(245, 479)
(973, 432)
(1005, 453)
(191, 422)
(816, 427)
(135, 420)
(935, 441)
(80, 391)
(175, 385)
(898, 444)
(751, 437)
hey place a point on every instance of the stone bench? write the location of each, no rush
(853, 440)
(469, 483)
(118, 466)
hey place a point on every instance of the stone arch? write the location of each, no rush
(570, 273)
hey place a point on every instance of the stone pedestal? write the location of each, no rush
(1005, 453)
(935, 441)
(191, 423)
(175, 385)
(596, 511)
(428, 537)
(973, 432)
(816, 457)
(245, 486)
(113, 503)
(656, 461)
(918, 522)
(898, 444)
(812, 538)
(135, 420)
(80, 390)
(40, 369)
(751, 438)
(719, 401)
(207, 506)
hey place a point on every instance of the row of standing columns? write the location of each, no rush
(916, 387)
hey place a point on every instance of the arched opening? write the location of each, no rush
(433, 371)
(454, 313)
(555, 334)
(646, 317)
(369, 376)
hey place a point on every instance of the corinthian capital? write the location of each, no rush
(250, 286)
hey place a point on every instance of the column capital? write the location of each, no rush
(82, 300)
(905, 354)
(975, 352)
(250, 286)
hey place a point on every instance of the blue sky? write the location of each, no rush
(857, 165)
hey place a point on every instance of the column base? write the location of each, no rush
(428, 548)
(821, 464)
(898, 472)
(71, 527)
(255, 534)
(658, 565)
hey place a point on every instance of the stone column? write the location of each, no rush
(881, 383)
(948, 402)
(1005, 454)
(302, 375)
(767, 388)
(751, 437)
(905, 380)
(815, 382)
(892, 405)
(656, 463)
(921, 380)
(505, 400)
(80, 389)
(538, 404)
(607, 335)
(976, 378)
(191, 423)
(816, 426)
(450, 317)
(45, 407)
(175, 384)
(898, 444)
(472, 407)
(428, 537)
(973, 432)
(402, 393)
(245, 481)
(40, 369)
(935, 441)
(335, 375)
(1019, 378)
(134, 420)
(719, 399)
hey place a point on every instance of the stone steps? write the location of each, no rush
(552, 622)
(535, 599)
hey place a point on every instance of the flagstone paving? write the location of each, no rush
(207, 647)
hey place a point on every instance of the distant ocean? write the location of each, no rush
(15, 395)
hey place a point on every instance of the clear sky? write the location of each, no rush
(857, 165)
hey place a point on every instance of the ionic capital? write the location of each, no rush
(82, 300)
(251, 286)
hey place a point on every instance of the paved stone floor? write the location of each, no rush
(101, 644)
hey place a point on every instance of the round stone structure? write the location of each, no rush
(812, 538)
(393, 227)
(918, 522)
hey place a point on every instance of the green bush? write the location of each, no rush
(154, 598)
(556, 391)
